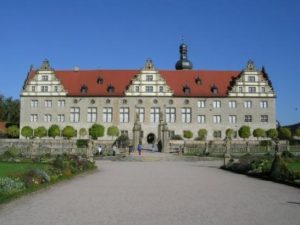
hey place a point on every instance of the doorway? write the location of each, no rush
(151, 138)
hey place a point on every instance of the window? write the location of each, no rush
(248, 104)
(124, 115)
(61, 103)
(201, 103)
(44, 89)
(92, 115)
(214, 89)
(141, 114)
(47, 118)
(33, 88)
(248, 118)
(55, 88)
(232, 104)
(217, 134)
(33, 118)
(263, 89)
(61, 118)
(232, 119)
(137, 88)
(264, 118)
(240, 89)
(124, 132)
(154, 115)
(252, 89)
(217, 119)
(84, 89)
(171, 133)
(149, 89)
(45, 78)
(110, 89)
(264, 104)
(149, 78)
(48, 103)
(107, 114)
(75, 115)
(100, 80)
(251, 79)
(216, 104)
(171, 115)
(186, 115)
(201, 118)
(186, 89)
(161, 89)
(34, 103)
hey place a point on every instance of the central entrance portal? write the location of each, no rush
(151, 138)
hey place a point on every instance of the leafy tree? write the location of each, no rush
(202, 134)
(113, 131)
(9, 110)
(297, 132)
(259, 132)
(82, 132)
(69, 132)
(229, 133)
(122, 141)
(13, 131)
(27, 132)
(284, 133)
(54, 131)
(40, 132)
(245, 132)
(96, 131)
(187, 134)
(272, 133)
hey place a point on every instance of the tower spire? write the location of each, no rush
(183, 63)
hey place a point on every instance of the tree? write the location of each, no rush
(82, 132)
(245, 132)
(259, 132)
(229, 133)
(284, 133)
(113, 131)
(96, 131)
(40, 132)
(54, 131)
(10, 110)
(297, 132)
(202, 134)
(272, 133)
(69, 132)
(13, 131)
(187, 134)
(27, 132)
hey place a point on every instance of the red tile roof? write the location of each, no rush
(121, 79)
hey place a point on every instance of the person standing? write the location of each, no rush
(139, 148)
(100, 150)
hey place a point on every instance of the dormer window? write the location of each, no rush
(84, 89)
(45, 78)
(149, 77)
(214, 89)
(110, 89)
(186, 89)
(100, 80)
(198, 81)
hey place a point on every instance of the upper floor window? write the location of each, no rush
(252, 89)
(45, 78)
(161, 89)
(154, 114)
(186, 89)
(47, 118)
(44, 89)
(110, 89)
(171, 115)
(217, 119)
(201, 119)
(75, 115)
(149, 77)
(198, 81)
(33, 118)
(232, 119)
(141, 114)
(48, 103)
(34, 103)
(216, 104)
(263, 104)
(241, 89)
(107, 114)
(84, 89)
(186, 115)
(263, 89)
(99, 80)
(248, 118)
(61, 103)
(60, 118)
(214, 89)
(92, 115)
(149, 89)
(248, 104)
(201, 103)
(251, 79)
(232, 104)
(137, 88)
(264, 118)
(217, 134)
(124, 115)
(33, 88)
(56, 88)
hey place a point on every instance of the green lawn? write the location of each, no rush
(10, 168)
(294, 166)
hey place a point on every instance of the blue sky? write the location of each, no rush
(122, 34)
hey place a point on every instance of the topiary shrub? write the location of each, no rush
(27, 132)
(96, 131)
(40, 132)
(284, 133)
(82, 132)
(272, 133)
(259, 133)
(82, 143)
(13, 131)
(202, 134)
(69, 132)
(54, 131)
(122, 141)
(187, 134)
(244, 132)
(113, 131)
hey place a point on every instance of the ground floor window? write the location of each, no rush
(217, 134)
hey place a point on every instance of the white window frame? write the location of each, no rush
(232, 104)
(264, 118)
(154, 114)
(186, 115)
(171, 115)
(252, 89)
(248, 119)
(92, 115)
(149, 89)
(60, 118)
(201, 119)
(124, 115)
(47, 118)
(48, 103)
(216, 104)
(34, 103)
(75, 115)
(61, 103)
(44, 89)
(33, 118)
(107, 114)
(248, 104)
(217, 119)
(141, 114)
(201, 103)
(232, 118)
(264, 104)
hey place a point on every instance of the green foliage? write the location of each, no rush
(265, 143)
(284, 133)
(40, 132)
(187, 134)
(9, 185)
(280, 170)
(176, 137)
(82, 132)
(202, 134)
(54, 131)
(272, 133)
(9, 110)
(27, 132)
(96, 131)
(13, 131)
(36, 176)
(82, 143)
(287, 154)
(113, 131)
(245, 132)
(259, 133)
(12, 152)
(297, 132)
(69, 132)
(229, 133)
(122, 141)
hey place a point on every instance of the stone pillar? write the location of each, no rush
(165, 139)
(137, 128)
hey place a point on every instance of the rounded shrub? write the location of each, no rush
(97, 130)
(13, 131)
(27, 132)
(69, 132)
(187, 134)
(54, 131)
(40, 132)
(202, 134)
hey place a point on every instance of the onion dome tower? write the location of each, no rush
(183, 63)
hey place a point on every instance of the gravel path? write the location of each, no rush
(158, 193)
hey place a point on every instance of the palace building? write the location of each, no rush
(185, 99)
